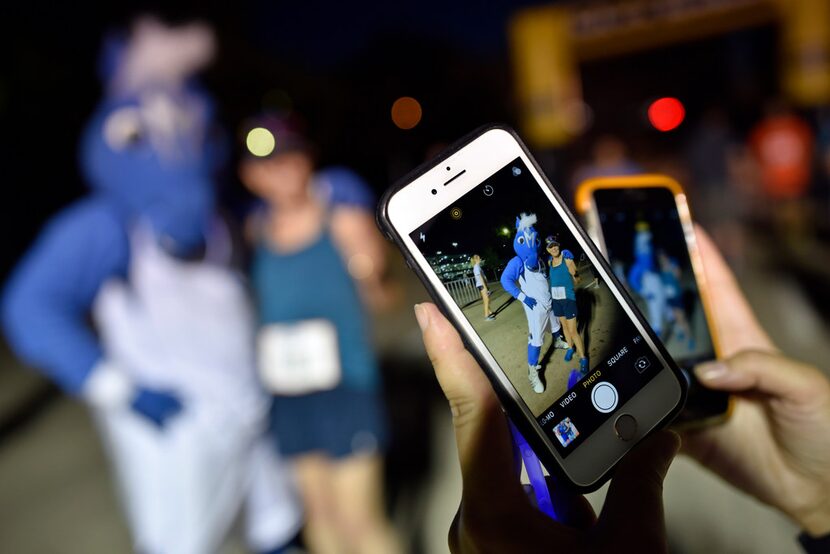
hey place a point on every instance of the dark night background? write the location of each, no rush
(341, 66)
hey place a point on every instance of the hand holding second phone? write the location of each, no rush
(776, 444)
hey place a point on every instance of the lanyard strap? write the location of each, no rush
(534, 473)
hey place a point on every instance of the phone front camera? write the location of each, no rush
(448, 168)
(434, 191)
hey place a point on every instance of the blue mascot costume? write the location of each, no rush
(167, 366)
(644, 278)
(525, 278)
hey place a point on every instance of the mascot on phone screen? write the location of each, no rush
(166, 366)
(525, 278)
(644, 278)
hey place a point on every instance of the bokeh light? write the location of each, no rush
(260, 141)
(406, 112)
(666, 114)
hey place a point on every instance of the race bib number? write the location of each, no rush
(558, 293)
(299, 358)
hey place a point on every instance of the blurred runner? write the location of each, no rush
(317, 251)
(783, 146)
(481, 285)
(169, 375)
(717, 189)
(609, 158)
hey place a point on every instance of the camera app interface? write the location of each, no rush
(537, 302)
(647, 250)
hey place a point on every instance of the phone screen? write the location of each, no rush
(558, 332)
(646, 246)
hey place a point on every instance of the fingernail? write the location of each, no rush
(422, 316)
(711, 371)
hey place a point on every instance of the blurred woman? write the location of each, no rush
(316, 251)
(481, 285)
(562, 275)
(670, 275)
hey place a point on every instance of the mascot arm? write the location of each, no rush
(510, 278)
(635, 275)
(340, 186)
(48, 298)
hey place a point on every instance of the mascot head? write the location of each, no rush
(151, 145)
(643, 248)
(526, 242)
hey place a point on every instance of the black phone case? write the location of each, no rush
(509, 405)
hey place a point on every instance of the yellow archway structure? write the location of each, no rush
(548, 43)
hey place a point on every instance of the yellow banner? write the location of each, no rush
(546, 76)
(806, 50)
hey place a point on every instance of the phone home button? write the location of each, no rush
(604, 397)
(625, 427)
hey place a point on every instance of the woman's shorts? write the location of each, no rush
(564, 308)
(338, 423)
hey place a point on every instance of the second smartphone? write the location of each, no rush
(643, 225)
(574, 363)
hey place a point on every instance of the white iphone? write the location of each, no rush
(576, 366)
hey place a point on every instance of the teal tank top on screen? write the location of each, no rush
(313, 283)
(560, 277)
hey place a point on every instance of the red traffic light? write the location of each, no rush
(666, 114)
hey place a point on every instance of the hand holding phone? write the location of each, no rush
(643, 225)
(495, 514)
(776, 445)
(486, 198)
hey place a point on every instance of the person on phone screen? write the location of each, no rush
(774, 447)
(318, 257)
(670, 275)
(562, 276)
(644, 278)
(481, 285)
(524, 278)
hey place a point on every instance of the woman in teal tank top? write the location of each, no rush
(562, 275)
(317, 255)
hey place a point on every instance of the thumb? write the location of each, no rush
(481, 432)
(633, 511)
(764, 372)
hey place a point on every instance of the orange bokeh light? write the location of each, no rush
(406, 112)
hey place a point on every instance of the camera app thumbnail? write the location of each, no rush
(566, 431)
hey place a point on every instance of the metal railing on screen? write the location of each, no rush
(463, 291)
